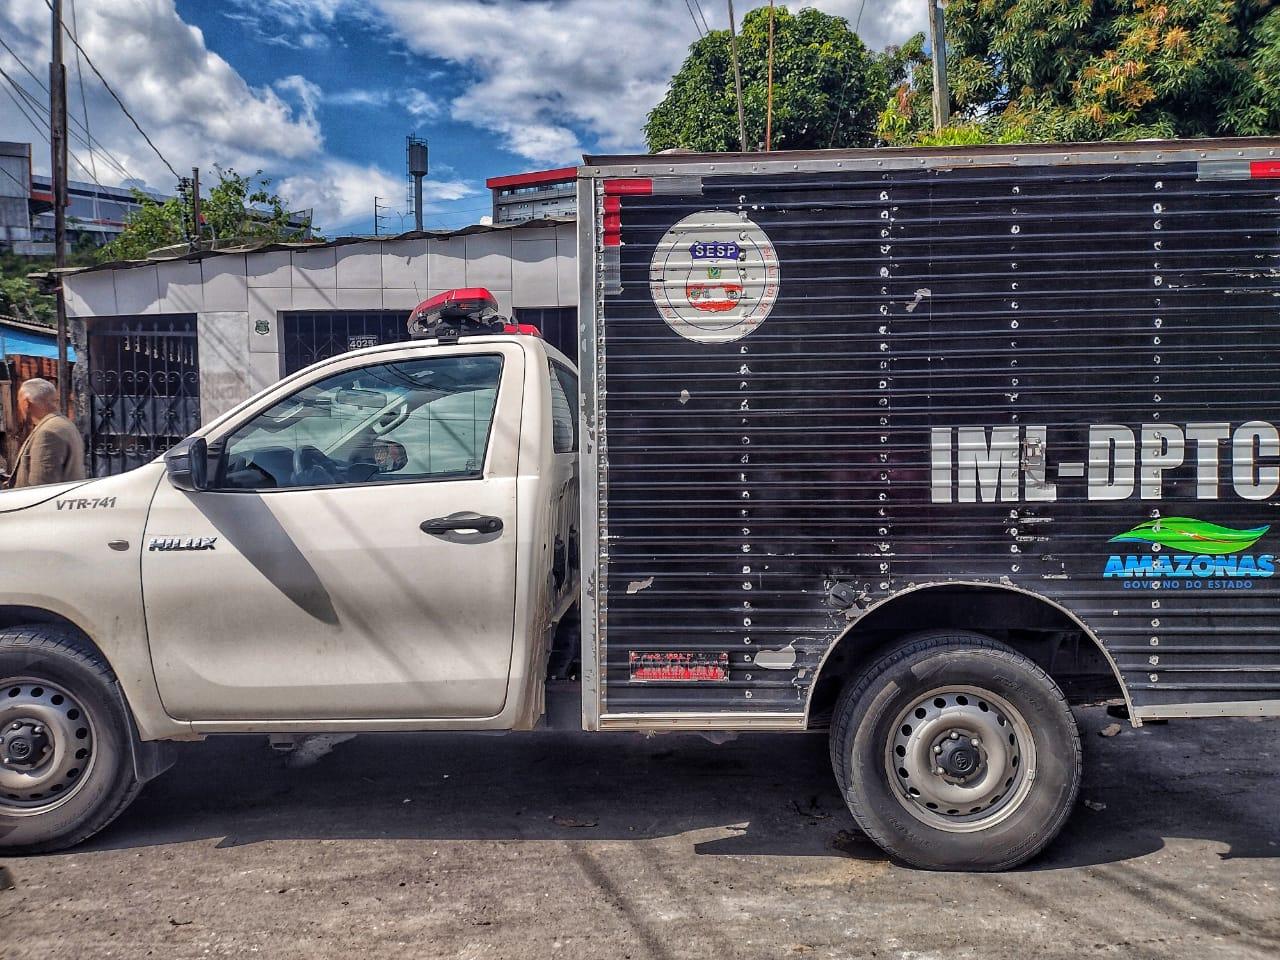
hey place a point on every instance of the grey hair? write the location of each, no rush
(39, 390)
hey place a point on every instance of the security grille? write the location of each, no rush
(312, 337)
(144, 389)
(558, 326)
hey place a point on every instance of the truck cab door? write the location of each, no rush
(355, 556)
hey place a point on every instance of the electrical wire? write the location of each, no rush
(87, 140)
(115, 96)
(40, 121)
(705, 26)
(689, 6)
(844, 87)
(84, 103)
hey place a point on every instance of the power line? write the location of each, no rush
(39, 122)
(87, 140)
(84, 103)
(116, 97)
(844, 87)
(689, 5)
(705, 26)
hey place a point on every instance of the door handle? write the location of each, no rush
(465, 522)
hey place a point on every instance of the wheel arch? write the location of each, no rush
(1038, 627)
(17, 615)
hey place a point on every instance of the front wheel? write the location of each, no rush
(956, 752)
(66, 763)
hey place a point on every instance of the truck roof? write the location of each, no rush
(1031, 154)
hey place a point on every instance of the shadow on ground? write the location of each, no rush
(772, 794)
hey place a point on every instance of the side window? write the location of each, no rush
(564, 408)
(415, 420)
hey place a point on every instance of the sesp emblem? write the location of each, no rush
(714, 276)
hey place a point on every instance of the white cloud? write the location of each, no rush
(194, 105)
(347, 190)
(548, 68)
(883, 22)
(420, 106)
(359, 98)
(551, 74)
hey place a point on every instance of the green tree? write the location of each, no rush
(20, 297)
(1098, 70)
(237, 207)
(827, 87)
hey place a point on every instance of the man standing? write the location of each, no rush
(54, 452)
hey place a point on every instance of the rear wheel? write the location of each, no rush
(66, 764)
(956, 752)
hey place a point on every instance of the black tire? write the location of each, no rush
(54, 655)
(867, 724)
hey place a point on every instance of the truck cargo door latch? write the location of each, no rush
(1033, 459)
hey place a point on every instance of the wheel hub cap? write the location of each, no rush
(46, 745)
(960, 759)
(24, 744)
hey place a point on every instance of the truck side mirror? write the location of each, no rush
(188, 465)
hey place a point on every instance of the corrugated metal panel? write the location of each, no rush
(739, 478)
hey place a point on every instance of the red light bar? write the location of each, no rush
(455, 304)
(524, 329)
(1261, 169)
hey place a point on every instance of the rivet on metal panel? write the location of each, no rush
(1155, 678)
(1155, 641)
(1154, 660)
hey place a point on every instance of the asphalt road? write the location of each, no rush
(615, 846)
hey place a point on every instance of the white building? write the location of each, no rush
(165, 345)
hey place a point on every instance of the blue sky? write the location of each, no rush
(320, 94)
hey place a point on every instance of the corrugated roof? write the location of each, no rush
(270, 246)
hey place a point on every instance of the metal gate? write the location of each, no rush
(144, 389)
(314, 336)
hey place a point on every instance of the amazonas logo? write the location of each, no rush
(1202, 554)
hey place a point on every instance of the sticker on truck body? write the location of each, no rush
(648, 666)
(714, 276)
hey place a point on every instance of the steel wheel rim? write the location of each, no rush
(937, 731)
(47, 751)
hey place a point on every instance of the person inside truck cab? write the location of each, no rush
(393, 422)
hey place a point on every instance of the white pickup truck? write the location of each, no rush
(384, 541)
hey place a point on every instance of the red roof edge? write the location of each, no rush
(532, 179)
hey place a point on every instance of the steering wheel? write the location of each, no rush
(311, 468)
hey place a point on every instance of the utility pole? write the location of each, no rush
(195, 204)
(58, 170)
(768, 115)
(938, 40)
(737, 80)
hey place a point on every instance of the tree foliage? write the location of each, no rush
(22, 298)
(237, 207)
(1043, 70)
(828, 88)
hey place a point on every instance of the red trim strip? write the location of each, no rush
(533, 179)
(1264, 168)
(628, 187)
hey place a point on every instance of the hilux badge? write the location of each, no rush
(182, 543)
